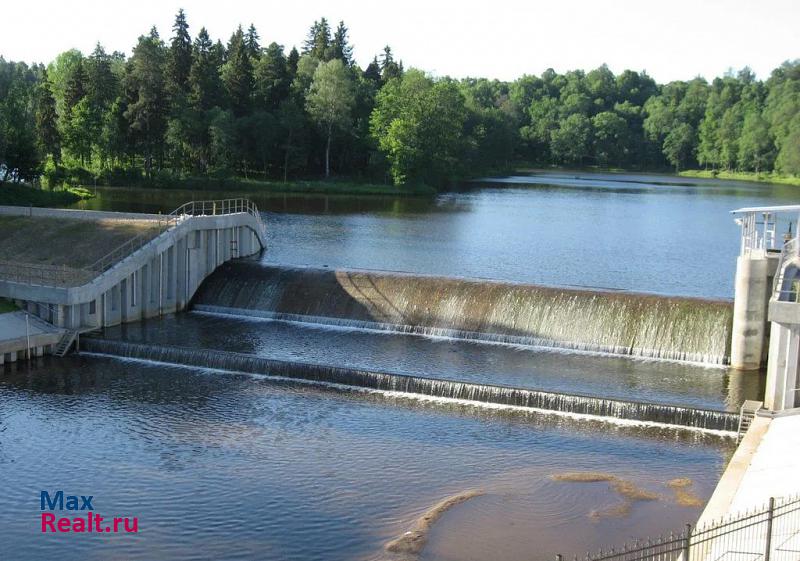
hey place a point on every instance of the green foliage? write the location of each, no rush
(195, 108)
(330, 101)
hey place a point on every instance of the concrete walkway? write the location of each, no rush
(766, 464)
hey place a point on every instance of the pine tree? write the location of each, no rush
(102, 86)
(373, 72)
(318, 41)
(180, 56)
(341, 49)
(271, 77)
(291, 63)
(47, 137)
(251, 42)
(147, 100)
(75, 88)
(389, 68)
(237, 74)
(205, 87)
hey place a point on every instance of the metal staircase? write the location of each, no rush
(747, 413)
(65, 343)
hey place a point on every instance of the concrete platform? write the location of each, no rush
(15, 336)
(766, 464)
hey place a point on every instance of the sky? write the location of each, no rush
(670, 39)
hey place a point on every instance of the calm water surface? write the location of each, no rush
(225, 466)
(653, 233)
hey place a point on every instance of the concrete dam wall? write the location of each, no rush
(624, 323)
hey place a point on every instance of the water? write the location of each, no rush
(651, 233)
(240, 467)
(246, 466)
(613, 322)
(433, 389)
(467, 361)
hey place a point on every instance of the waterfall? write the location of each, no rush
(622, 323)
(391, 382)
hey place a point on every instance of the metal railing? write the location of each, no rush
(768, 533)
(759, 227)
(783, 289)
(61, 275)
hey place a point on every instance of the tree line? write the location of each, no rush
(195, 107)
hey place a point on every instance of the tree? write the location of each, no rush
(330, 101)
(47, 137)
(789, 156)
(205, 86)
(180, 57)
(271, 77)
(571, 141)
(237, 74)
(756, 150)
(340, 48)
(147, 101)
(610, 131)
(419, 126)
(679, 144)
(318, 41)
(252, 43)
(389, 68)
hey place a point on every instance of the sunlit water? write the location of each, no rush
(231, 466)
(652, 233)
(226, 466)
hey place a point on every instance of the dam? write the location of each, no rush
(351, 400)
(154, 272)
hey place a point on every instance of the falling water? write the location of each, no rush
(624, 323)
(390, 382)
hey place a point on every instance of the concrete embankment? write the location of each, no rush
(766, 464)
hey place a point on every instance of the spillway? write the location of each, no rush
(620, 323)
(392, 382)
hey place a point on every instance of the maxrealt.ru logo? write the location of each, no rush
(89, 522)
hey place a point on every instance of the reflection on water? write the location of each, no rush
(645, 232)
(240, 467)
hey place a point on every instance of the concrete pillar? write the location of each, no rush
(39, 351)
(750, 306)
(2, 358)
(782, 369)
(11, 357)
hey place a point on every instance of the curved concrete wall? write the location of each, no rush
(160, 277)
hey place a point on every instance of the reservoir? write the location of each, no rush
(222, 431)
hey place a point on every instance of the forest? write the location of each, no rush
(191, 108)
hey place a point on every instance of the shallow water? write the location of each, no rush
(646, 232)
(241, 467)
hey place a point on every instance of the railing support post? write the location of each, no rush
(770, 516)
(687, 543)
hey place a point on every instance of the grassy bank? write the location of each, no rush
(24, 195)
(743, 176)
(7, 306)
(331, 187)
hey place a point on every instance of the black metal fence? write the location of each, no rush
(768, 533)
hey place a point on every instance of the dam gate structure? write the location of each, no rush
(149, 275)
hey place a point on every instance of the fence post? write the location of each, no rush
(770, 515)
(687, 543)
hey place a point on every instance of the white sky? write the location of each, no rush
(671, 39)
